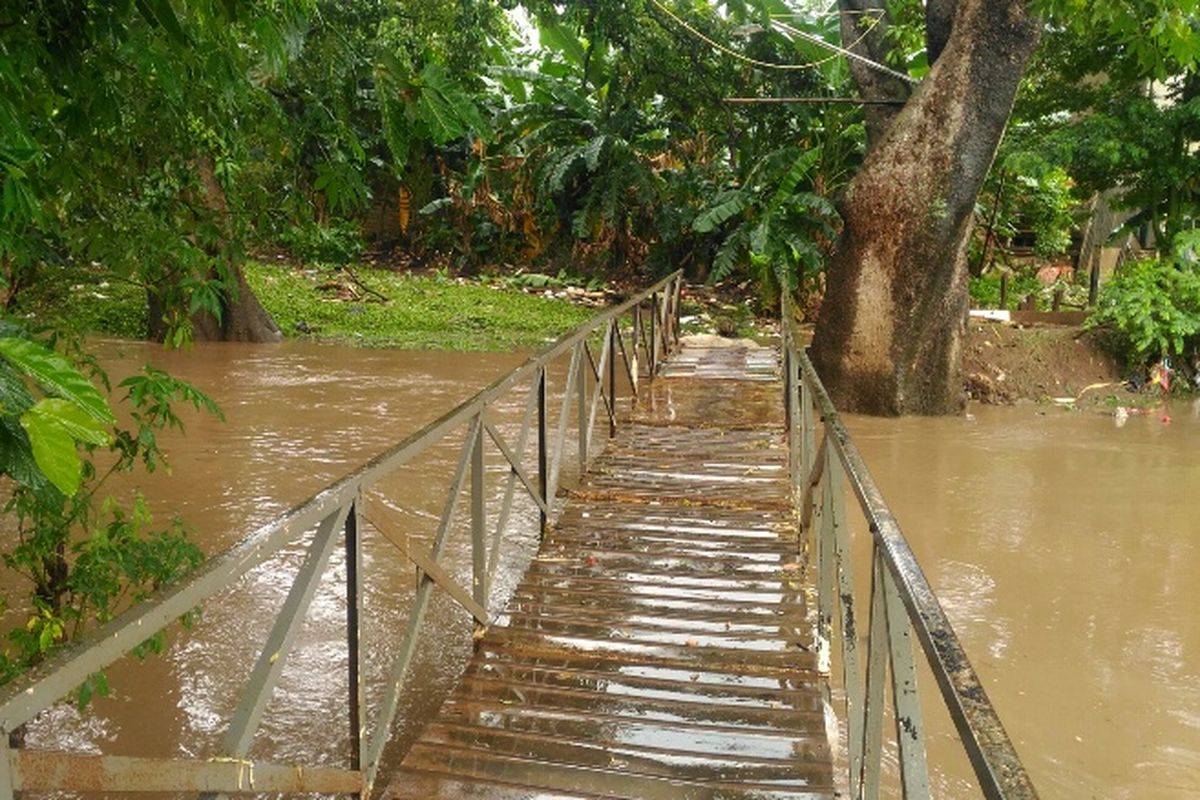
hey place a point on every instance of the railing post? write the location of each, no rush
(792, 412)
(478, 519)
(871, 750)
(637, 340)
(612, 378)
(825, 566)
(584, 429)
(676, 303)
(910, 730)
(653, 354)
(851, 673)
(543, 451)
(560, 435)
(808, 433)
(6, 782)
(354, 660)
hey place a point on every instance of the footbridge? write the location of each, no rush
(689, 623)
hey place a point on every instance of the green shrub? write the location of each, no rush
(1152, 309)
(336, 242)
(985, 290)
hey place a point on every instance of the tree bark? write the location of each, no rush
(888, 339)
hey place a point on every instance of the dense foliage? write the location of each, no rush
(1151, 307)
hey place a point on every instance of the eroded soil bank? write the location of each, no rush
(1004, 364)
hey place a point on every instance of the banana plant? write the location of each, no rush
(589, 160)
(770, 227)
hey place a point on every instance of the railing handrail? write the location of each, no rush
(334, 506)
(997, 766)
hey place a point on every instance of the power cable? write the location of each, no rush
(817, 40)
(766, 64)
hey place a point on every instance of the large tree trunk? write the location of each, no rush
(242, 319)
(888, 337)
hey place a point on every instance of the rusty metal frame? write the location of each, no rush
(901, 605)
(340, 508)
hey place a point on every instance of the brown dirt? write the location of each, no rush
(1003, 364)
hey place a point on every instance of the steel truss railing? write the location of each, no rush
(901, 604)
(604, 353)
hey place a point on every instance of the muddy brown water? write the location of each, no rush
(298, 416)
(1064, 547)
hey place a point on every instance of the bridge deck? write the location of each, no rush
(659, 645)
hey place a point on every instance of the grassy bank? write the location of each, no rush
(382, 308)
(363, 306)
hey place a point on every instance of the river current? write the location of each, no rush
(1063, 545)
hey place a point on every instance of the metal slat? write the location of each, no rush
(560, 435)
(910, 730)
(517, 470)
(271, 660)
(543, 448)
(514, 460)
(598, 394)
(354, 614)
(436, 572)
(877, 664)
(479, 570)
(581, 409)
(408, 646)
(851, 673)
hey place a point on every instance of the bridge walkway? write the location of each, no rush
(660, 644)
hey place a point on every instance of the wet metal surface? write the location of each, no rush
(659, 645)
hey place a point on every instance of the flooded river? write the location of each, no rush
(298, 416)
(1064, 546)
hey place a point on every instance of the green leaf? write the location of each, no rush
(56, 375)
(14, 396)
(16, 456)
(726, 205)
(74, 420)
(792, 178)
(54, 451)
(556, 36)
(436, 205)
(728, 256)
(160, 13)
(446, 108)
(594, 150)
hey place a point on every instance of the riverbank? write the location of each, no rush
(1005, 364)
(384, 308)
(379, 307)
(362, 306)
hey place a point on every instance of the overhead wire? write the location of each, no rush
(817, 40)
(756, 62)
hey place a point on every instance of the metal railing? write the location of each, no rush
(646, 325)
(901, 604)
